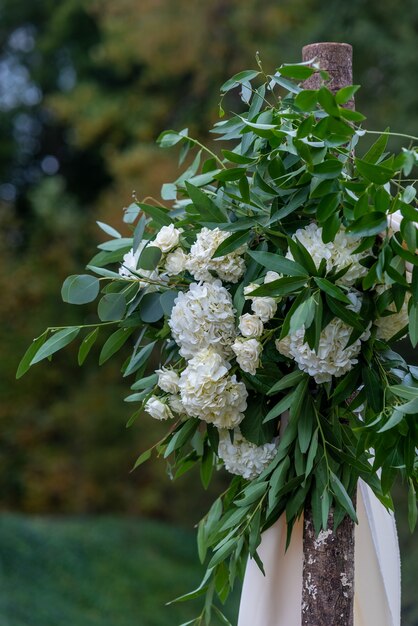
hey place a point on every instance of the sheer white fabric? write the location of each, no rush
(274, 600)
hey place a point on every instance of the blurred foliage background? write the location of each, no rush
(86, 86)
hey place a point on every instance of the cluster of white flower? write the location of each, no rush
(242, 457)
(201, 317)
(333, 357)
(391, 325)
(338, 253)
(200, 263)
(209, 393)
(129, 268)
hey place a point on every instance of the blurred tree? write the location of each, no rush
(85, 88)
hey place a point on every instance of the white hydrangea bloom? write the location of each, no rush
(167, 238)
(250, 325)
(202, 317)
(338, 254)
(390, 325)
(333, 358)
(248, 353)
(200, 264)
(242, 457)
(129, 268)
(175, 262)
(158, 409)
(209, 393)
(168, 380)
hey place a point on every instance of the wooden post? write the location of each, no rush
(328, 559)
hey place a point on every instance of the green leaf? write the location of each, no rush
(378, 174)
(331, 168)
(298, 72)
(206, 467)
(252, 493)
(327, 206)
(182, 436)
(238, 79)
(395, 419)
(223, 552)
(332, 290)
(171, 137)
(328, 103)
(280, 287)
(278, 263)
(109, 230)
(412, 506)
(150, 308)
(377, 149)
(58, 340)
(114, 343)
(307, 99)
(304, 315)
(290, 380)
(111, 307)
(349, 317)
(252, 426)
(150, 257)
(233, 242)
(371, 224)
(80, 289)
(144, 383)
(26, 360)
(413, 323)
(346, 93)
(305, 424)
(342, 496)
(373, 388)
(283, 405)
(145, 456)
(138, 359)
(207, 209)
(167, 300)
(159, 215)
(313, 448)
(87, 345)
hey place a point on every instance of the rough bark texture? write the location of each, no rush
(328, 574)
(328, 560)
(336, 59)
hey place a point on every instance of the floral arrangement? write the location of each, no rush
(272, 281)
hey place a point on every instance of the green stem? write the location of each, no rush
(215, 156)
(378, 132)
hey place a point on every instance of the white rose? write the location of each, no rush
(264, 307)
(157, 409)
(250, 325)
(168, 380)
(176, 404)
(271, 276)
(249, 289)
(175, 262)
(248, 353)
(167, 238)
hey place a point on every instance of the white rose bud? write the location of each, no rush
(270, 276)
(264, 307)
(167, 238)
(250, 325)
(168, 380)
(157, 409)
(175, 262)
(176, 404)
(248, 353)
(248, 289)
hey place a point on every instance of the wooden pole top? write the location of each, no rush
(336, 59)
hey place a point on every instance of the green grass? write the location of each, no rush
(91, 571)
(113, 571)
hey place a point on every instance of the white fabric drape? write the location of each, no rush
(275, 600)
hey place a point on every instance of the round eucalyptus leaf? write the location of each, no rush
(150, 308)
(80, 289)
(167, 300)
(149, 258)
(111, 307)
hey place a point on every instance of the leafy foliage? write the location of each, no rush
(292, 162)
